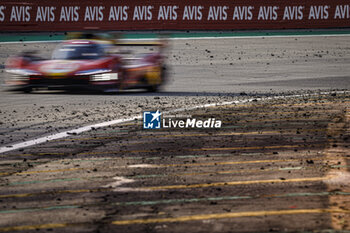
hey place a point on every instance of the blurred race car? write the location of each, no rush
(90, 63)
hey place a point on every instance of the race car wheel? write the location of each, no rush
(153, 88)
(163, 75)
(27, 90)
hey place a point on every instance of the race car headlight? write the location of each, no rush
(104, 77)
(22, 72)
(93, 72)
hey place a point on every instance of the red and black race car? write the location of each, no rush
(90, 63)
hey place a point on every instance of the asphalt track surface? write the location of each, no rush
(277, 164)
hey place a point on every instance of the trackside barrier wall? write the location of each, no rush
(73, 15)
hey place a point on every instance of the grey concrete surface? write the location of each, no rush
(79, 184)
(278, 165)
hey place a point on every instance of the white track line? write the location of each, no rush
(192, 38)
(118, 121)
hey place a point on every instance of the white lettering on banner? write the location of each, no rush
(142, 13)
(69, 13)
(167, 12)
(243, 13)
(268, 13)
(293, 13)
(2, 14)
(217, 13)
(318, 12)
(45, 14)
(118, 13)
(342, 12)
(20, 13)
(284, 15)
(193, 13)
(94, 13)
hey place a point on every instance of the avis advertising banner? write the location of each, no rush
(48, 15)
